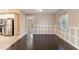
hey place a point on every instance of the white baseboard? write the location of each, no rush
(22, 35)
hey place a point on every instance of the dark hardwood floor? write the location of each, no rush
(50, 42)
(44, 42)
(22, 43)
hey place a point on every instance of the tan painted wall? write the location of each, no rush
(43, 22)
(16, 24)
(43, 19)
(72, 34)
(73, 16)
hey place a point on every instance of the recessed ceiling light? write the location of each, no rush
(40, 10)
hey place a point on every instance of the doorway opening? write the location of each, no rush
(29, 30)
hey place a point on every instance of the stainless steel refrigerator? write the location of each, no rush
(9, 26)
(1, 26)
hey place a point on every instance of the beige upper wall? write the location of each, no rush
(43, 19)
(73, 16)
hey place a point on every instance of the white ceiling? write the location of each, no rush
(43, 10)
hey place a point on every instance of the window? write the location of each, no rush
(63, 22)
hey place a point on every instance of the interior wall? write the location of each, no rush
(43, 23)
(22, 24)
(72, 34)
(73, 17)
(44, 19)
